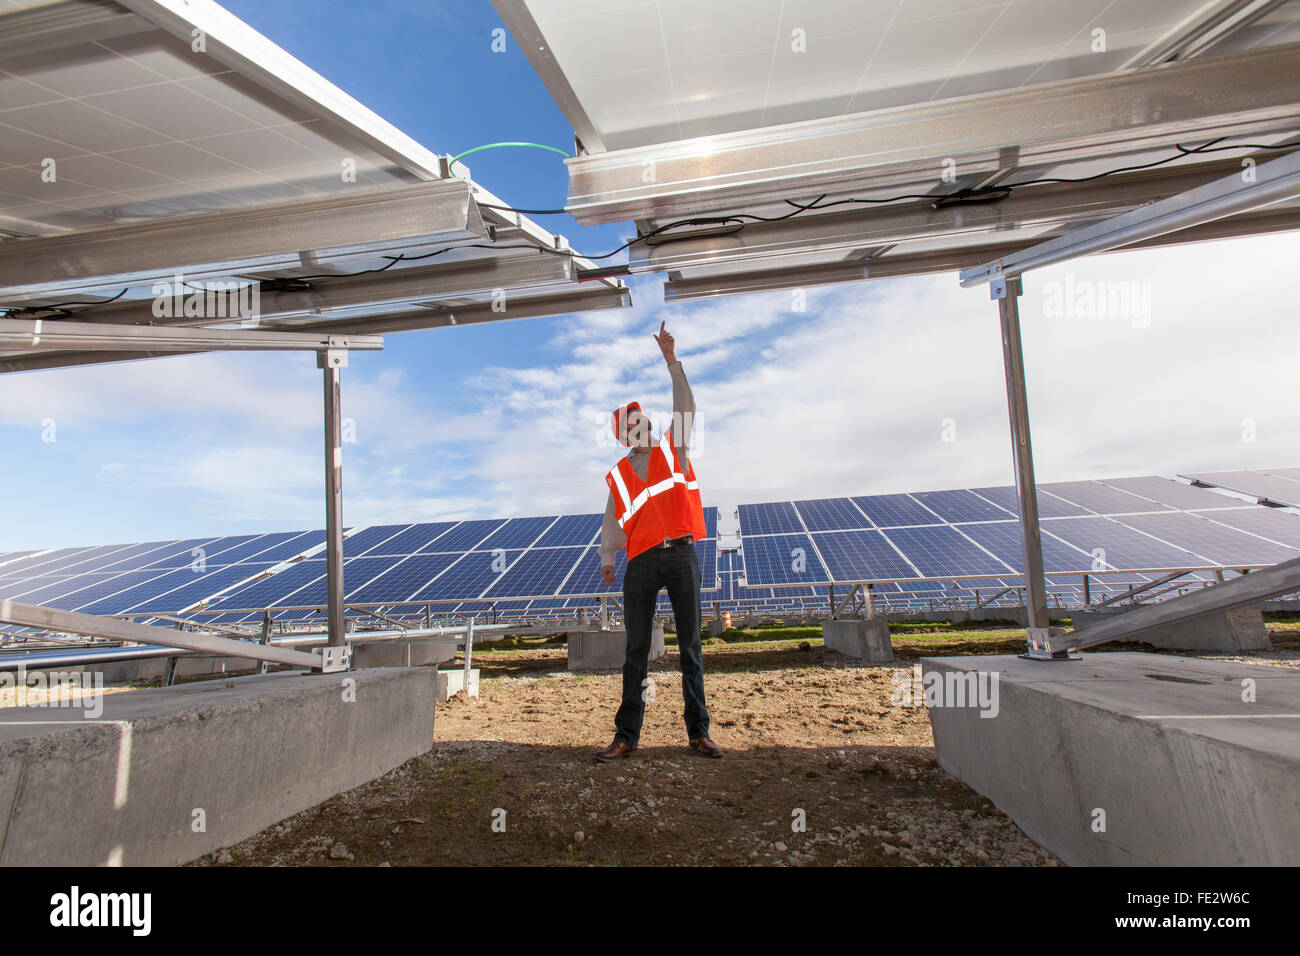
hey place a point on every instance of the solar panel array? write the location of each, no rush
(457, 566)
(918, 549)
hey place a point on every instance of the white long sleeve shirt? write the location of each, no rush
(611, 535)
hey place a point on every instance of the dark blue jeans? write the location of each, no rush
(678, 570)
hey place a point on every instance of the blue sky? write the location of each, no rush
(861, 392)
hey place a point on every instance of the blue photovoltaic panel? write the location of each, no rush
(275, 589)
(1217, 544)
(1268, 523)
(356, 572)
(1049, 506)
(255, 550)
(468, 577)
(371, 539)
(40, 563)
(81, 589)
(420, 537)
(861, 556)
(1176, 494)
(710, 522)
(403, 579)
(1118, 545)
(1100, 498)
(89, 559)
(1268, 485)
(781, 559)
(941, 551)
(586, 579)
(961, 505)
(571, 530)
(539, 571)
(466, 535)
(706, 552)
(831, 514)
(129, 559)
(18, 589)
(889, 511)
(771, 518)
(185, 553)
(203, 586)
(516, 533)
(1004, 539)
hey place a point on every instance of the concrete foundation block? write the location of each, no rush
(594, 649)
(1185, 772)
(864, 639)
(717, 628)
(126, 788)
(452, 682)
(402, 653)
(1228, 631)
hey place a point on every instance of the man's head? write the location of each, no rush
(631, 427)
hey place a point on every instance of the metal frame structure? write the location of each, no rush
(1040, 174)
(333, 267)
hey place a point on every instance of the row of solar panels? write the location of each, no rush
(1144, 523)
(1278, 486)
(441, 561)
(935, 535)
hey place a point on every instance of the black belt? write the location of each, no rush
(674, 542)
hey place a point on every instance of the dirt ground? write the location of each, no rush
(821, 769)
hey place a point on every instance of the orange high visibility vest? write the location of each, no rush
(665, 505)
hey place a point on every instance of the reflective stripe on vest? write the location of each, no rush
(630, 506)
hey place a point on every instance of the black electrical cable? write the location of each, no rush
(17, 312)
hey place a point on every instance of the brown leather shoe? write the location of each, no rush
(706, 747)
(615, 751)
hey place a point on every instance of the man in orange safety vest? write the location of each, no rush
(654, 512)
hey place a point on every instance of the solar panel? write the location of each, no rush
(1172, 493)
(403, 579)
(707, 554)
(465, 535)
(417, 538)
(538, 571)
(942, 551)
(571, 529)
(1264, 485)
(516, 533)
(1101, 499)
(861, 556)
(831, 514)
(371, 539)
(275, 589)
(586, 579)
(889, 511)
(1005, 539)
(1118, 545)
(1214, 543)
(781, 559)
(774, 517)
(961, 505)
(1049, 506)
(201, 587)
(468, 577)
(1268, 523)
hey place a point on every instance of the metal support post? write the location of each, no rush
(1006, 291)
(333, 361)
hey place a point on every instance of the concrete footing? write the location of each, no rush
(168, 774)
(1230, 631)
(402, 653)
(1126, 759)
(594, 649)
(864, 639)
(452, 682)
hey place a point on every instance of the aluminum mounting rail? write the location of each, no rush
(1239, 592)
(64, 334)
(1098, 117)
(1251, 188)
(53, 619)
(354, 222)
